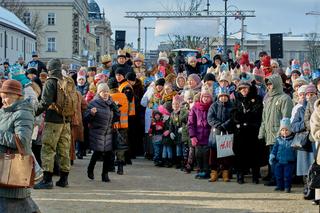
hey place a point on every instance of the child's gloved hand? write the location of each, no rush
(166, 133)
(172, 136)
(180, 130)
(194, 141)
(272, 157)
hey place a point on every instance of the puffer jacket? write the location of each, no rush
(100, 124)
(283, 151)
(276, 106)
(198, 125)
(219, 116)
(17, 119)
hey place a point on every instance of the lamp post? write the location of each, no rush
(145, 39)
(225, 28)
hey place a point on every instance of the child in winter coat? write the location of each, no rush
(178, 121)
(219, 118)
(91, 93)
(167, 154)
(283, 157)
(199, 131)
(156, 132)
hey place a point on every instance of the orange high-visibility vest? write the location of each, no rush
(132, 107)
(121, 99)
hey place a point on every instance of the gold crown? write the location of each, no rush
(128, 50)
(121, 52)
(139, 56)
(106, 58)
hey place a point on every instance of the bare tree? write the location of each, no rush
(15, 6)
(35, 24)
(178, 41)
(313, 46)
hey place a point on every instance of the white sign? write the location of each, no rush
(202, 27)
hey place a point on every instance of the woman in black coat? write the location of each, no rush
(247, 115)
(100, 116)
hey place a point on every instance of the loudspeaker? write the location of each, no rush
(120, 35)
(119, 44)
(276, 45)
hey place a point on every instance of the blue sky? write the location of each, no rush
(273, 16)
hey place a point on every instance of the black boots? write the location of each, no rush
(90, 174)
(105, 177)
(63, 181)
(46, 182)
(120, 168)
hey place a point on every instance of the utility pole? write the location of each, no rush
(139, 33)
(145, 39)
(225, 28)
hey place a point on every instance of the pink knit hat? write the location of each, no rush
(311, 89)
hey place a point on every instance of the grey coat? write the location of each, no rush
(17, 119)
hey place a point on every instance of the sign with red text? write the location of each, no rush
(224, 145)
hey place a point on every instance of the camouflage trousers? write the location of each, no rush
(56, 139)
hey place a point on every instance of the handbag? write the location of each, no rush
(17, 170)
(224, 145)
(314, 173)
(301, 142)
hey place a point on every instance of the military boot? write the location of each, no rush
(63, 181)
(46, 182)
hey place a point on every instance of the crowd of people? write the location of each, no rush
(172, 114)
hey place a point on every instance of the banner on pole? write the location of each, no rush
(202, 27)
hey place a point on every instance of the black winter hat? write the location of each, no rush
(160, 81)
(209, 77)
(131, 76)
(112, 83)
(120, 71)
(54, 64)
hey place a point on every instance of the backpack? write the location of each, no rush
(67, 98)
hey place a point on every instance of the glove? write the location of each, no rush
(271, 159)
(172, 136)
(194, 141)
(166, 133)
(180, 130)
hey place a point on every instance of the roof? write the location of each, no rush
(259, 36)
(10, 20)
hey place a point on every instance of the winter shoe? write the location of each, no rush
(240, 178)
(213, 176)
(63, 181)
(288, 190)
(46, 182)
(279, 189)
(90, 174)
(225, 176)
(105, 177)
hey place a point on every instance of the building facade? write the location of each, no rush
(65, 33)
(16, 39)
(101, 28)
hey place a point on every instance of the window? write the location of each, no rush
(27, 18)
(51, 18)
(51, 44)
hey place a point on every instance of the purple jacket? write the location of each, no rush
(198, 124)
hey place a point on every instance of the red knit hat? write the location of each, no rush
(266, 65)
(12, 87)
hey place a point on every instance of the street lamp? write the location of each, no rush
(145, 39)
(225, 28)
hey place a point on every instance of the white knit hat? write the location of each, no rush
(103, 87)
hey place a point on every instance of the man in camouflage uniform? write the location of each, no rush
(57, 136)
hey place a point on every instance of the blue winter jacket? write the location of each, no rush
(298, 124)
(283, 151)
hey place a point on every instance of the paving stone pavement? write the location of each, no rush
(145, 188)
